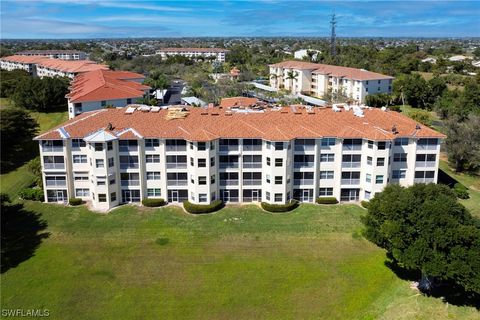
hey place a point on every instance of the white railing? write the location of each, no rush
(230, 165)
(128, 148)
(252, 147)
(303, 164)
(304, 148)
(227, 148)
(247, 165)
(176, 148)
(52, 148)
(229, 182)
(54, 165)
(426, 147)
(355, 164)
(129, 165)
(177, 182)
(59, 183)
(303, 182)
(130, 183)
(176, 165)
(352, 147)
(252, 182)
(425, 164)
(350, 181)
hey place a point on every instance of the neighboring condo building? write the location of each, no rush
(218, 53)
(320, 79)
(45, 67)
(114, 156)
(55, 54)
(98, 89)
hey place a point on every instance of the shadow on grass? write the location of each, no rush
(448, 291)
(13, 159)
(22, 233)
(445, 178)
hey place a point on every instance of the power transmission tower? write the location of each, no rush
(333, 36)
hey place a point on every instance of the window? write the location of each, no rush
(381, 145)
(128, 145)
(111, 179)
(369, 161)
(398, 174)
(370, 144)
(278, 179)
(201, 146)
(192, 196)
(367, 195)
(212, 179)
(79, 158)
(109, 145)
(424, 174)
(278, 162)
(399, 157)
(102, 197)
(80, 176)
(366, 82)
(154, 192)
(113, 196)
(202, 180)
(202, 197)
(268, 145)
(192, 178)
(98, 146)
(327, 157)
(78, 143)
(379, 179)
(99, 163)
(212, 147)
(82, 192)
(152, 143)
(104, 103)
(380, 162)
(426, 157)
(152, 158)
(268, 161)
(278, 146)
(101, 181)
(129, 100)
(278, 197)
(369, 178)
(326, 175)
(212, 162)
(111, 162)
(327, 142)
(430, 144)
(192, 162)
(153, 175)
(267, 195)
(325, 192)
(202, 163)
(401, 141)
(268, 178)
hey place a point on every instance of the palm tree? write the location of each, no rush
(292, 75)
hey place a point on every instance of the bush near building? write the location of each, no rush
(327, 200)
(203, 208)
(153, 202)
(75, 201)
(35, 194)
(279, 207)
(461, 191)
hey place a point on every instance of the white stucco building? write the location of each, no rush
(319, 79)
(218, 53)
(303, 53)
(55, 54)
(113, 156)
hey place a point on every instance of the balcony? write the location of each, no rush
(128, 148)
(356, 164)
(127, 183)
(177, 182)
(424, 180)
(348, 147)
(303, 148)
(307, 182)
(252, 182)
(229, 182)
(423, 164)
(249, 165)
(226, 148)
(176, 165)
(55, 183)
(252, 147)
(52, 149)
(303, 164)
(427, 147)
(229, 165)
(350, 181)
(176, 148)
(129, 165)
(54, 165)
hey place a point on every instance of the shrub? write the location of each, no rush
(32, 194)
(327, 200)
(394, 108)
(75, 201)
(158, 202)
(365, 204)
(461, 191)
(279, 207)
(203, 208)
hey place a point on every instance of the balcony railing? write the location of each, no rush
(129, 165)
(247, 165)
(176, 148)
(229, 182)
(303, 182)
(305, 148)
(424, 180)
(177, 182)
(128, 148)
(425, 164)
(350, 181)
(57, 183)
(352, 147)
(303, 164)
(52, 149)
(54, 165)
(355, 164)
(252, 147)
(252, 182)
(228, 148)
(126, 183)
(230, 165)
(176, 165)
(426, 147)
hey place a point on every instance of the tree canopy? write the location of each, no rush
(41, 94)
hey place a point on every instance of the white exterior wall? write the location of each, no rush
(96, 105)
(46, 72)
(219, 56)
(9, 66)
(309, 189)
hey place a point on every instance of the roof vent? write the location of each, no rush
(394, 129)
(204, 113)
(109, 126)
(384, 109)
(418, 127)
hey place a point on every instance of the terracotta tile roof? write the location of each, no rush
(24, 59)
(102, 85)
(48, 52)
(285, 124)
(75, 66)
(238, 102)
(337, 71)
(193, 50)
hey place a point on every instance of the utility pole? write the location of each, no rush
(333, 48)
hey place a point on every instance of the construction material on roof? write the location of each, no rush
(176, 113)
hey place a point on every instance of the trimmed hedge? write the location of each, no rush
(461, 191)
(32, 194)
(75, 201)
(154, 202)
(365, 204)
(203, 208)
(327, 200)
(279, 207)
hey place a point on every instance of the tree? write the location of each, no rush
(422, 116)
(45, 94)
(378, 100)
(157, 80)
(424, 228)
(17, 128)
(10, 80)
(463, 143)
(414, 89)
(292, 75)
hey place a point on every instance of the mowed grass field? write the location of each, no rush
(239, 263)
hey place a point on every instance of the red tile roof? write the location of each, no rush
(238, 102)
(102, 85)
(337, 71)
(206, 124)
(75, 66)
(24, 59)
(193, 50)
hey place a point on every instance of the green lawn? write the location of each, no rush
(239, 263)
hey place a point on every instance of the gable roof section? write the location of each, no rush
(238, 102)
(71, 66)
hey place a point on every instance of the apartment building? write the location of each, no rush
(45, 67)
(98, 89)
(218, 53)
(320, 79)
(55, 54)
(115, 156)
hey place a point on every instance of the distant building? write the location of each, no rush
(55, 54)
(458, 58)
(193, 101)
(430, 60)
(101, 88)
(218, 53)
(303, 53)
(320, 79)
(27, 63)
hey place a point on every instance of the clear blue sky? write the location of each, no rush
(108, 18)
